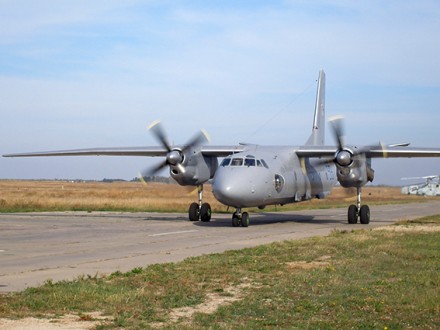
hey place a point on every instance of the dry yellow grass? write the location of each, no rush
(124, 196)
(135, 196)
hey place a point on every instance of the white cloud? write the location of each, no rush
(112, 65)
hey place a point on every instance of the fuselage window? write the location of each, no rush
(237, 162)
(259, 163)
(264, 163)
(226, 162)
(249, 162)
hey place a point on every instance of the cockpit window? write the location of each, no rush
(226, 162)
(264, 163)
(249, 162)
(237, 162)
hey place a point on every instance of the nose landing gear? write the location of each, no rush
(240, 219)
(200, 211)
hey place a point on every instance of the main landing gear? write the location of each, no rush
(199, 211)
(240, 219)
(356, 212)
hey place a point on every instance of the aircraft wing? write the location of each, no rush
(371, 151)
(128, 151)
(403, 152)
(223, 151)
(217, 151)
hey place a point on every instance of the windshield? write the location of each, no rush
(237, 162)
(249, 161)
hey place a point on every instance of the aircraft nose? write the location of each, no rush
(224, 192)
(228, 192)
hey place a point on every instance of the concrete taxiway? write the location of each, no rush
(35, 247)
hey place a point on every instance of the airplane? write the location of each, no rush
(252, 175)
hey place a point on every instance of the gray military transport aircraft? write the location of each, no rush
(253, 175)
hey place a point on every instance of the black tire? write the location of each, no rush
(245, 219)
(235, 220)
(352, 214)
(364, 215)
(205, 212)
(193, 212)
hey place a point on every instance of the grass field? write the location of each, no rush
(26, 196)
(385, 278)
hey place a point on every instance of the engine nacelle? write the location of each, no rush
(353, 170)
(194, 169)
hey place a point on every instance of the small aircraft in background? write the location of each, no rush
(431, 186)
(253, 175)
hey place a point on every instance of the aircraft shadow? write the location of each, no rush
(270, 218)
(145, 216)
(256, 219)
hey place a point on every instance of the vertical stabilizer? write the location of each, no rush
(318, 130)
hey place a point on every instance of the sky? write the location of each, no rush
(82, 74)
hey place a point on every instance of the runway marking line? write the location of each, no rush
(173, 233)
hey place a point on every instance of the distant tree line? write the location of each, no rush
(160, 179)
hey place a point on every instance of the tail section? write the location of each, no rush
(318, 130)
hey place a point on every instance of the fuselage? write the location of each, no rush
(268, 175)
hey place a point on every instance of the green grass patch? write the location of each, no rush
(367, 279)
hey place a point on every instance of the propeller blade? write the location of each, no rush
(158, 131)
(154, 170)
(338, 130)
(181, 168)
(324, 161)
(199, 138)
(367, 148)
(141, 178)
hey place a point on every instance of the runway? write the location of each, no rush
(35, 247)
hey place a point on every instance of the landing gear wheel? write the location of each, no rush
(365, 215)
(352, 214)
(235, 220)
(205, 212)
(193, 212)
(245, 219)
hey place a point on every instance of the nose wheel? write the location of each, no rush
(240, 219)
(356, 212)
(200, 211)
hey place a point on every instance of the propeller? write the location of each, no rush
(175, 155)
(344, 156)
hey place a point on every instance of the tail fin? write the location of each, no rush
(318, 130)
